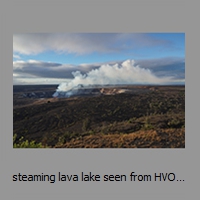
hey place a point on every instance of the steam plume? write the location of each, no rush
(125, 73)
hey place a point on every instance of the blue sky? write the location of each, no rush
(50, 58)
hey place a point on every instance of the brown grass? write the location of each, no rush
(163, 138)
(153, 119)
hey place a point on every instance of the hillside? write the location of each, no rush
(154, 118)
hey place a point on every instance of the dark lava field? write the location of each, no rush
(111, 117)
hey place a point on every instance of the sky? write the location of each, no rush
(102, 58)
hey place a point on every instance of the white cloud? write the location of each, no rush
(80, 43)
(141, 71)
(49, 69)
(38, 81)
(125, 73)
(16, 56)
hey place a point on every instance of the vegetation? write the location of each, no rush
(25, 143)
(71, 121)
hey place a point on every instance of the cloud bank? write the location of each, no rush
(83, 43)
(49, 69)
(173, 67)
(166, 51)
(124, 73)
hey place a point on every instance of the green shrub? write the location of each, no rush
(147, 125)
(86, 124)
(25, 143)
(175, 123)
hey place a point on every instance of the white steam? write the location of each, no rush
(125, 73)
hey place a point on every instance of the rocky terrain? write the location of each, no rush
(101, 117)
